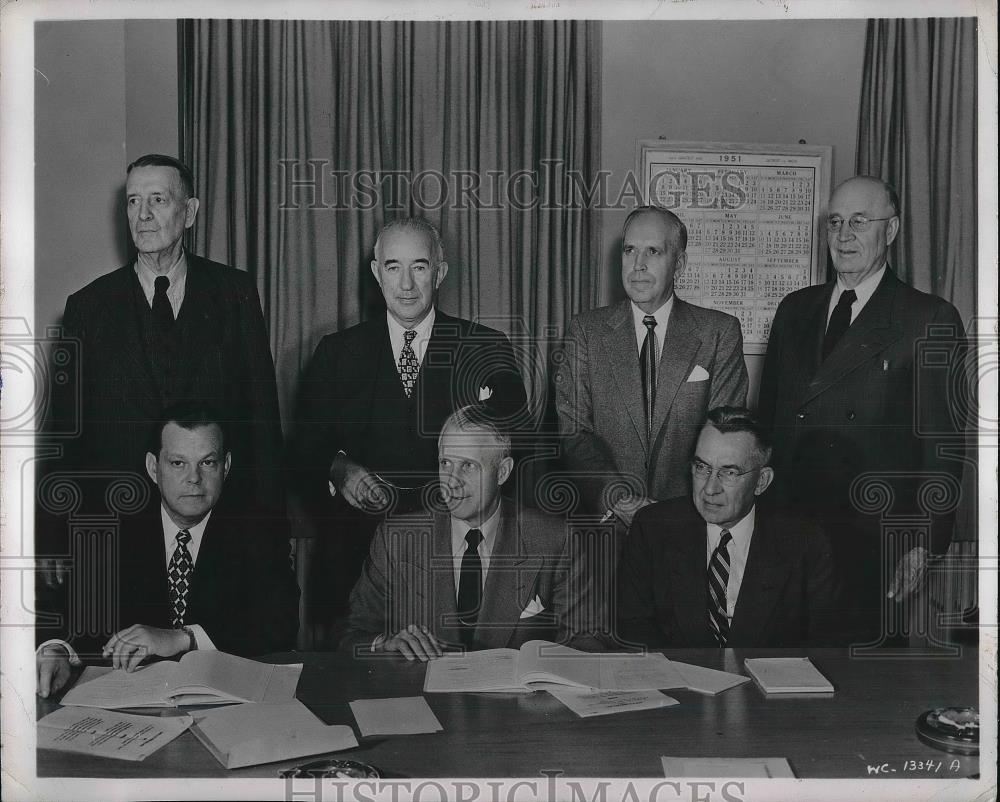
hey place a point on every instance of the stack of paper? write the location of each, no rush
(250, 734)
(735, 767)
(100, 734)
(787, 675)
(406, 715)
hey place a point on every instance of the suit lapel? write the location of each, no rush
(765, 574)
(867, 336)
(507, 582)
(200, 321)
(620, 344)
(122, 333)
(680, 348)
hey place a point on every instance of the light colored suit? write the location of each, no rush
(409, 578)
(600, 403)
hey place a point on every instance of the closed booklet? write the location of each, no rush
(540, 661)
(201, 677)
(787, 675)
(251, 734)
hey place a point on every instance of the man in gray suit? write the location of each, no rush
(640, 376)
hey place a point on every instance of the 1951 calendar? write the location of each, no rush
(754, 220)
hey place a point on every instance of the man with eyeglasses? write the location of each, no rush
(719, 569)
(857, 411)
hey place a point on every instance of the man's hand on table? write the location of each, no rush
(910, 572)
(53, 669)
(414, 642)
(131, 646)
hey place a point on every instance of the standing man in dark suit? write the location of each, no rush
(375, 396)
(848, 394)
(639, 376)
(726, 571)
(480, 572)
(192, 573)
(170, 328)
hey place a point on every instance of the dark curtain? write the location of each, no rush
(917, 130)
(305, 137)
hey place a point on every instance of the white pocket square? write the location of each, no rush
(699, 374)
(485, 393)
(534, 607)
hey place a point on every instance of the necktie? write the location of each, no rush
(840, 320)
(718, 578)
(178, 577)
(163, 315)
(470, 585)
(647, 365)
(408, 366)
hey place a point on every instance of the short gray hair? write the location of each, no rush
(477, 417)
(418, 225)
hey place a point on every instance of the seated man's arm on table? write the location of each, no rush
(639, 571)
(369, 607)
(585, 452)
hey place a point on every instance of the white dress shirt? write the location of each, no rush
(662, 316)
(739, 549)
(865, 290)
(178, 281)
(459, 529)
(397, 340)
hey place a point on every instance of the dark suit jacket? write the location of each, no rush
(224, 361)
(599, 398)
(352, 399)
(243, 592)
(789, 595)
(409, 578)
(879, 403)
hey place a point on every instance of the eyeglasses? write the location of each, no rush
(857, 222)
(728, 476)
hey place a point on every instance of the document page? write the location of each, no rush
(407, 715)
(102, 734)
(224, 675)
(586, 702)
(144, 687)
(708, 680)
(787, 675)
(735, 767)
(639, 672)
(543, 661)
(488, 670)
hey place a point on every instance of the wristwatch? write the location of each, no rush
(192, 643)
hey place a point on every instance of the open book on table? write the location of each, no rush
(539, 661)
(201, 677)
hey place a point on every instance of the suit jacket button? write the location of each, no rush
(802, 414)
(850, 415)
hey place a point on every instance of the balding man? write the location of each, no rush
(848, 395)
(639, 376)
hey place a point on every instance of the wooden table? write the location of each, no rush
(868, 723)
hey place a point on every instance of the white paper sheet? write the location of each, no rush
(100, 733)
(405, 715)
(586, 703)
(639, 673)
(734, 767)
(708, 680)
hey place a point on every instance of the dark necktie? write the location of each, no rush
(163, 315)
(179, 576)
(470, 585)
(840, 320)
(718, 578)
(647, 365)
(408, 366)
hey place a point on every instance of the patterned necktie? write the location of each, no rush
(840, 321)
(408, 366)
(178, 577)
(718, 578)
(163, 314)
(647, 365)
(470, 585)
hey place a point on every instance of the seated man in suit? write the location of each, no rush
(724, 570)
(190, 574)
(481, 573)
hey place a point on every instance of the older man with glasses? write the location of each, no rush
(719, 569)
(856, 385)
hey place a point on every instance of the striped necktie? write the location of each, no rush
(718, 579)
(647, 366)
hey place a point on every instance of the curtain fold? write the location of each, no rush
(305, 137)
(917, 130)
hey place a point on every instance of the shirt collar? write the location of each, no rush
(662, 315)
(488, 529)
(865, 289)
(741, 531)
(170, 530)
(423, 328)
